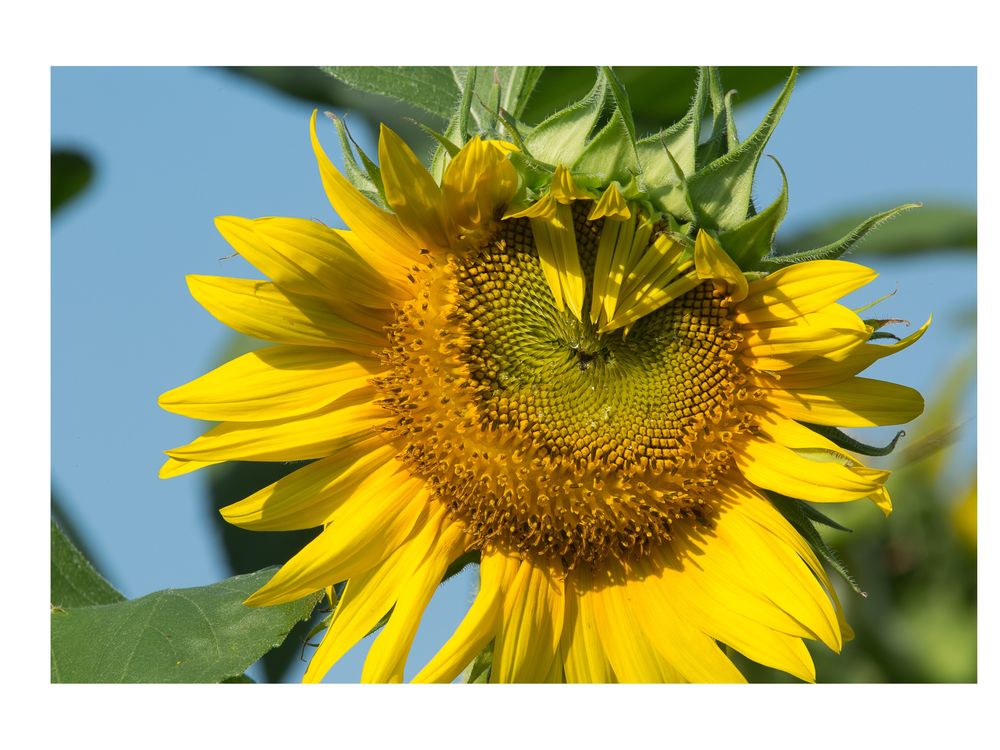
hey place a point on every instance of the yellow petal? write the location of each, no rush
(882, 500)
(581, 650)
(478, 184)
(175, 468)
(386, 659)
(610, 268)
(726, 581)
(496, 573)
(380, 239)
(832, 332)
(560, 260)
(298, 438)
(564, 189)
(261, 310)
(856, 402)
(781, 573)
(362, 533)
(780, 533)
(611, 206)
(321, 261)
(801, 289)
(662, 274)
(411, 191)
(717, 617)
(713, 263)
(627, 312)
(308, 258)
(667, 624)
(528, 642)
(544, 208)
(369, 596)
(790, 472)
(306, 498)
(273, 383)
(817, 372)
(632, 657)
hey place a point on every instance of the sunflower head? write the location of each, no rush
(559, 349)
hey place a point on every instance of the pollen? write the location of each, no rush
(545, 436)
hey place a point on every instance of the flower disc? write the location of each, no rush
(545, 436)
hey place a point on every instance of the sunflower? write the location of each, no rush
(561, 380)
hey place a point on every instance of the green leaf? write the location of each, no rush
(74, 581)
(432, 89)
(732, 137)
(754, 238)
(841, 246)
(202, 634)
(934, 227)
(71, 173)
(679, 202)
(721, 191)
(240, 680)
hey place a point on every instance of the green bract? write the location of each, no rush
(679, 175)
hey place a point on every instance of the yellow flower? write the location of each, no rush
(593, 403)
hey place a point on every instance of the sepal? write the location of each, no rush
(612, 155)
(845, 441)
(754, 238)
(664, 155)
(802, 517)
(836, 249)
(562, 137)
(369, 179)
(721, 191)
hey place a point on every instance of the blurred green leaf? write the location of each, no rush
(74, 581)
(72, 171)
(202, 634)
(934, 227)
(432, 89)
(308, 83)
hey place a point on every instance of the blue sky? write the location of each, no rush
(175, 147)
